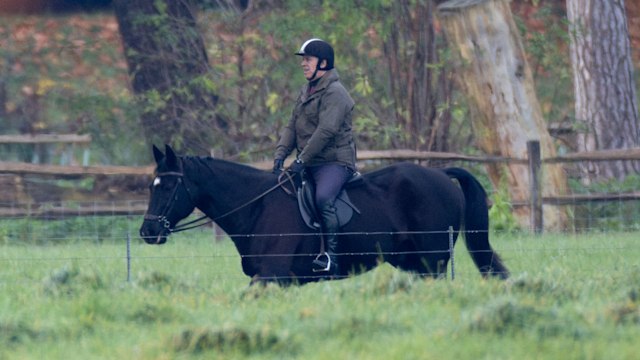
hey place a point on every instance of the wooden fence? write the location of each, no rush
(143, 175)
(39, 140)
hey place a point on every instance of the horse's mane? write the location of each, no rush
(216, 165)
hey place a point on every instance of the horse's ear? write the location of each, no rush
(157, 154)
(172, 158)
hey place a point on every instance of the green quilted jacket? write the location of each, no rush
(320, 125)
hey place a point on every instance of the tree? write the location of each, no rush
(497, 81)
(419, 81)
(170, 73)
(606, 107)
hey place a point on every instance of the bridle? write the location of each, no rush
(162, 218)
(283, 178)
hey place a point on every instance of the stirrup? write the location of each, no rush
(319, 264)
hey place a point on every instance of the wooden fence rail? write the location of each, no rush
(533, 160)
(392, 155)
(602, 155)
(45, 139)
(39, 140)
(61, 212)
(70, 171)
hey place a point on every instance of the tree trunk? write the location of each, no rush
(497, 81)
(3, 97)
(169, 73)
(606, 104)
(418, 81)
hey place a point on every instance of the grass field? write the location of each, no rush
(570, 297)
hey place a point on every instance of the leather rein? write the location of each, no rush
(283, 178)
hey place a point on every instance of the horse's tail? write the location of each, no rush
(476, 224)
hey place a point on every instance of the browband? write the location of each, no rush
(174, 173)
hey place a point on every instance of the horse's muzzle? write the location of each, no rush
(154, 237)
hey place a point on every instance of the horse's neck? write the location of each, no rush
(224, 188)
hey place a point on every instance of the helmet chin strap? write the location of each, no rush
(315, 73)
(313, 77)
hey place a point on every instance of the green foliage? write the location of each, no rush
(68, 280)
(501, 216)
(233, 340)
(547, 48)
(616, 215)
(356, 30)
(629, 184)
(81, 78)
(69, 230)
(69, 77)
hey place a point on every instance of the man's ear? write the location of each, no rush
(323, 63)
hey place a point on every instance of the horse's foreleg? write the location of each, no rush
(263, 280)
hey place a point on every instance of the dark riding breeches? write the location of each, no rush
(329, 180)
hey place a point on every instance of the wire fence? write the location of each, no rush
(110, 241)
(139, 266)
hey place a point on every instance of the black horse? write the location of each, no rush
(405, 212)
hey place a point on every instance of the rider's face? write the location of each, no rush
(309, 65)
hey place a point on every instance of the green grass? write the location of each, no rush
(570, 297)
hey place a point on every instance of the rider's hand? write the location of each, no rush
(297, 166)
(278, 165)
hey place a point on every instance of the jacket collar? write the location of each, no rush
(326, 79)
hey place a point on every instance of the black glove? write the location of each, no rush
(297, 166)
(278, 164)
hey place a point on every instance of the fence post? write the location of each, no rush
(453, 264)
(128, 257)
(535, 185)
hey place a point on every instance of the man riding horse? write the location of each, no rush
(320, 131)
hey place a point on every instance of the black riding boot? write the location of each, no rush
(328, 261)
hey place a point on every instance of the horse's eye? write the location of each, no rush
(166, 184)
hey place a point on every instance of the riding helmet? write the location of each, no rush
(320, 49)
